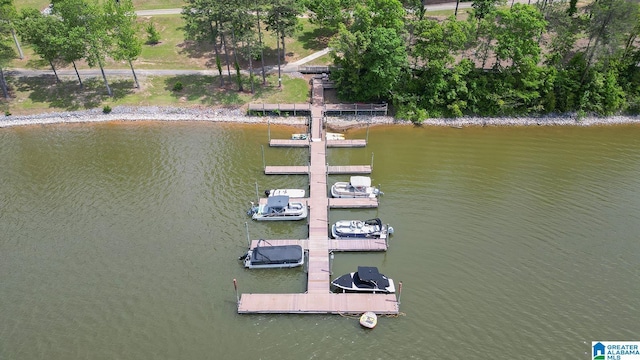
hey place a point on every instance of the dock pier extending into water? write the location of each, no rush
(318, 298)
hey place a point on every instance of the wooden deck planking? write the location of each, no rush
(332, 244)
(288, 143)
(286, 170)
(316, 303)
(347, 203)
(357, 245)
(347, 143)
(280, 242)
(349, 169)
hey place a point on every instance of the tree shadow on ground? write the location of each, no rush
(194, 49)
(206, 90)
(317, 39)
(67, 94)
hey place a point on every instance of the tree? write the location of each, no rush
(516, 34)
(44, 33)
(6, 54)
(482, 8)
(371, 55)
(87, 22)
(6, 30)
(563, 29)
(282, 20)
(8, 15)
(201, 24)
(331, 13)
(122, 20)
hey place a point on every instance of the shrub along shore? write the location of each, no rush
(238, 115)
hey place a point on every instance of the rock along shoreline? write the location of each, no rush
(238, 115)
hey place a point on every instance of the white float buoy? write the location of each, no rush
(369, 319)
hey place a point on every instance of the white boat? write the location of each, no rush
(278, 208)
(357, 187)
(292, 193)
(299, 136)
(369, 319)
(366, 279)
(368, 229)
(270, 257)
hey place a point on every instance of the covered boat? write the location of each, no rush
(292, 193)
(368, 229)
(268, 256)
(366, 279)
(279, 208)
(357, 187)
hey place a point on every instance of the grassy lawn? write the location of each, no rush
(138, 4)
(41, 94)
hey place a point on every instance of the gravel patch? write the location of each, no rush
(238, 115)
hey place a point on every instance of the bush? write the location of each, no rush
(178, 86)
(7, 113)
(106, 109)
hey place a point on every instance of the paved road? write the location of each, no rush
(158, 12)
(438, 7)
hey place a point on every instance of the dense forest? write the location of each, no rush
(498, 59)
(504, 59)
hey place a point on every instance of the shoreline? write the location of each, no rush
(238, 115)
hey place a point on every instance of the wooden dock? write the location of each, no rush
(318, 303)
(303, 170)
(288, 143)
(295, 109)
(337, 245)
(346, 203)
(347, 143)
(318, 298)
(330, 143)
(339, 203)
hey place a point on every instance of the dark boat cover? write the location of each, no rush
(370, 274)
(277, 202)
(284, 254)
(365, 278)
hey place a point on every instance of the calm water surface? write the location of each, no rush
(120, 241)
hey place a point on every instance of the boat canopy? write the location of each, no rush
(284, 254)
(277, 202)
(360, 181)
(370, 274)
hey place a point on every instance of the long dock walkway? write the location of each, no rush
(318, 297)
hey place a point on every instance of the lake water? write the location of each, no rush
(120, 241)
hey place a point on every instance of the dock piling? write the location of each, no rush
(246, 226)
(235, 286)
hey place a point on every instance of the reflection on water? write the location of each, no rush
(121, 241)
